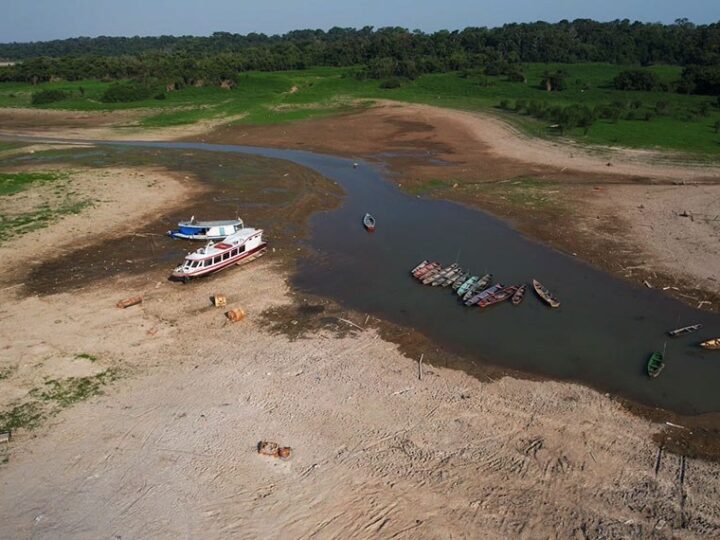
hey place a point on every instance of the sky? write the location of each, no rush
(40, 20)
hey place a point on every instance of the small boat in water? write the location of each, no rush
(458, 281)
(685, 330)
(468, 283)
(441, 275)
(655, 364)
(711, 344)
(451, 277)
(517, 298)
(545, 294)
(425, 270)
(420, 266)
(484, 294)
(427, 277)
(206, 230)
(479, 285)
(243, 246)
(369, 222)
(497, 297)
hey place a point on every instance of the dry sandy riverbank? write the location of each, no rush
(169, 449)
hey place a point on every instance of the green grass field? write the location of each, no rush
(265, 98)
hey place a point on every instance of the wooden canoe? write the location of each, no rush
(711, 344)
(655, 364)
(420, 266)
(519, 295)
(545, 294)
(479, 286)
(369, 222)
(497, 297)
(425, 270)
(468, 283)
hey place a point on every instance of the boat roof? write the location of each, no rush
(203, 224)
(235, 239)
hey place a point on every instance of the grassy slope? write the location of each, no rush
(265, 98)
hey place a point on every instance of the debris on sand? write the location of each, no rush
(5, 437)
(272, 449)
(219, 300)
(235, 315)
(127, 302)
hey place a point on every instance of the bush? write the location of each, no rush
(637, 79)
(48, 96)
(505, 104)
(160, 96)
(125, 92)
(393, 82)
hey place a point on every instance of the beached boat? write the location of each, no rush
(685, 330)
(497, 297)
(480, 285)
(206, 230)
(517, 298)
(711, 344)
(243, 246)
(655, 364)
(484, 294)
(545, 294)
(369, 222)
(420, 266)
(425, 270)
(468, 283)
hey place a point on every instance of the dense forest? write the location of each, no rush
(380, 54)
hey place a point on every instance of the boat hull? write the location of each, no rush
(245, 256)
(177, 235)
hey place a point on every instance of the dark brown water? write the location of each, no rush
(602, 334)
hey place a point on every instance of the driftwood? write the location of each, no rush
(127, 302)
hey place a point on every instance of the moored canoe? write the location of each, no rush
(711, 344)
(545, 294)
(519, 295)
(655, 364)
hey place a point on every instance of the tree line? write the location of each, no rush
(380, 54)
(581, 40)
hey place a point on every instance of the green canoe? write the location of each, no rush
(655, 364)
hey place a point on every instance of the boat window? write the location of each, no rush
(222, 231)
(226, 256)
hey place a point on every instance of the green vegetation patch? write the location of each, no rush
(52, 397)
(11, 183)
(65, 392)
(14, 226)
(44, 97)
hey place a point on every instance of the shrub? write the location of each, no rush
(392, 82)
(160, 96)
(505, 104)
(125, 92)
(48, 96)
(637, 79)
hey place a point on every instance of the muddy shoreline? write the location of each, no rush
(440, 154)
(700, 436)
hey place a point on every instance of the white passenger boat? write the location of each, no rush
(243, 246)
(206, 230)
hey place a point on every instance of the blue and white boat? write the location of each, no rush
(206, 230)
